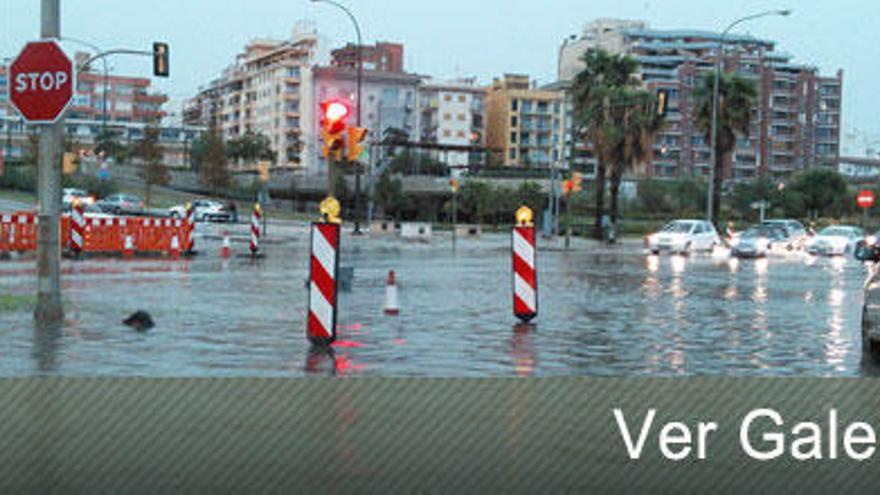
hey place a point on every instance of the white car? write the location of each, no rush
(685, 236)
(70, 194)
(836, 240)
(204, 210)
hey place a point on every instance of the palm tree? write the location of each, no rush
(737, 96)
(636, 123)
(594, 88)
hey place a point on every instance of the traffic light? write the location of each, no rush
(160, 59)
(356, 136)
(334, 114)
(662, 101)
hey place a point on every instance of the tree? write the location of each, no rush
(820, 191)
(476, 199)
(197, 153)
(737, 96)
(389, 194)
(250, 148)
(629, 142)
(214, 170)
(604, 76)
(153, 171)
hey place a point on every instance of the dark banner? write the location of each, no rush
(440, 435)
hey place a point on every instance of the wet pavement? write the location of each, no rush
(603, 311)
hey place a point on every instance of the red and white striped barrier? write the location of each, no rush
(77, 228)
(190, 228)
(323, 274)
(392, 301)
(226, 247)
(174, 250)
(525, 279)
(256, 218)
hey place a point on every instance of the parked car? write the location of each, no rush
(836, 240)
(760, 240)
(70, 194)
(685, 236)
(204, 210)
(797, 233)
(119, 204)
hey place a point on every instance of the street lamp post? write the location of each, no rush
(714, 128)
(360, 76)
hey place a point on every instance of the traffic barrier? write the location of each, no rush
(256, 217)
(77, 228)
(190, 229)
(128, 249)
(392, 303)
(80, 234)
(323, 274)
(525, 280)
(18, 231)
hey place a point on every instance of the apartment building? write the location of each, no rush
(796, 124)
(381, 57)
(262, 92)
(453, 113)
(525, 123)
(127, 99)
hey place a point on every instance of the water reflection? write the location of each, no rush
(522, 349)
(47, 343)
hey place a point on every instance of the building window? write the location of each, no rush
(514, 121)
(514, 105)
(447, 133)
(461, 98)
(447, 97)
(512, 154)
(513, 137)
(460, 134)
(462, 117)
(447, 116)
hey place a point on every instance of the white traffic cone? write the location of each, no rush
(175, 248)
(128, 249)
(392, 304)
(226, 247)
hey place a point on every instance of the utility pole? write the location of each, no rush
(49, 308)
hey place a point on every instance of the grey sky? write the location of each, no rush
(459, 37)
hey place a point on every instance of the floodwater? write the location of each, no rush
(603, 311)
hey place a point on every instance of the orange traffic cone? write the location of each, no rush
(226, 247)
(392, 304)
(175, 248)
(128, 249)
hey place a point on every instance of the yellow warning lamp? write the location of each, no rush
(258, 209)
(524, 216)
(330, 210)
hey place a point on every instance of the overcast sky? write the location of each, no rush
(447, 38)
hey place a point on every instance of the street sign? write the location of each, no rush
(41, 82)
(866, 199)
(757, 205)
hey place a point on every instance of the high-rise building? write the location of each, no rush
(525, 123)
(795, 125)
(262, 93)
(453, 113)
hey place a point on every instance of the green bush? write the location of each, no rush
(91, 184)
(19, 178)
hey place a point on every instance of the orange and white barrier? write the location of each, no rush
(256, 217)
(77, 228)
(525, 278)
(116, 235)
(226, 247)
(190, 229)
(323, 275)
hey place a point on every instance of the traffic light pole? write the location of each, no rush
(49, 307)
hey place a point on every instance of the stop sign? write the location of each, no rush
(41, 82)
(866, 199)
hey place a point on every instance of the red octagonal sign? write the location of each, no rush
(41, 82)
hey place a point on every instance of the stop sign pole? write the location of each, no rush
(49, 310)
(865, 200)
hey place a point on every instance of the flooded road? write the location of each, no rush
(603, 311)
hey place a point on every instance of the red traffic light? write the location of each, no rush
(334, 114)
